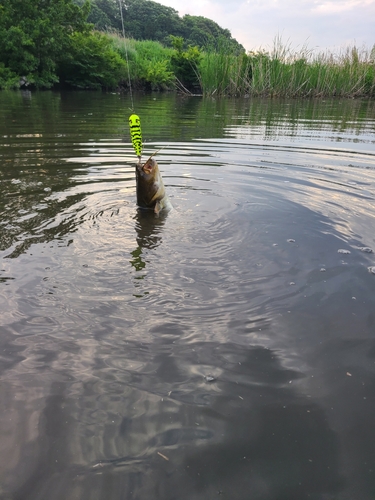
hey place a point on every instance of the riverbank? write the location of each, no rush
(281, 72)
(108, 61)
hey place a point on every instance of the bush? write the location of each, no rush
(92, 62)
(185, 63)
(149, 62)
(8, 79)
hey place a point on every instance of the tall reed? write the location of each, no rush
(282, 71)
(287, 72)
(223, 73)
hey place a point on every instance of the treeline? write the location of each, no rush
(147, 20)
(45, 43)
(49, 42)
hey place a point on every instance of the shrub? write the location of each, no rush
(149, 62)
(92, 62)
(8, 79)
(185, 63)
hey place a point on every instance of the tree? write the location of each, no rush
(35, 33)
(148, 20)
(201, 31)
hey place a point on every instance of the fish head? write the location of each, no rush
(150, 167)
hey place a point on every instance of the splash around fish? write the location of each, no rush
(150, 187)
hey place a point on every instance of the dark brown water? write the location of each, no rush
(225, 350)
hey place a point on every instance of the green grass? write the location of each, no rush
(97, 60)
(149, 62)
(224, 74)
(289, 73)
(280, 72)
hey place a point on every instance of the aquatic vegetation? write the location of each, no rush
(290, 73)
(225, 74)
(281, 72)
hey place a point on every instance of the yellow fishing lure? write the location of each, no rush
(136, 134)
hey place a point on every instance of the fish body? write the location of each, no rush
(150, 188)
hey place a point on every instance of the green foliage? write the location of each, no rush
(149, 63)
(157, 74)
(35, 33)
(222, 73)
(8, 79)
(104, 14)
(151, 66)
(284, 72)
(185, 63)
(369, 80)
(201, 31)
(44, 42)
(48, 41)
(148, 20)
(92, 62)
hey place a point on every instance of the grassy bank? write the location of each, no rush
(284, 72)
(94, 60)
(281, 72)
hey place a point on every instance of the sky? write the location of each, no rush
(320, 25)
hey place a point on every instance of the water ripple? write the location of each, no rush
(229, 339)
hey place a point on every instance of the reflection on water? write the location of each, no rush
(225, 349)
(148, 236)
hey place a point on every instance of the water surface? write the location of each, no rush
(224, 350)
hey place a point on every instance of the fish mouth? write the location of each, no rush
(147, 168)
(150, 164)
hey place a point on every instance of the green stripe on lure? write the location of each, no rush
(136, 134)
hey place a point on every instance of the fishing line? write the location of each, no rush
(126, 57)
(134, 120)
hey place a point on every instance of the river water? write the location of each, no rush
(223, 350)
